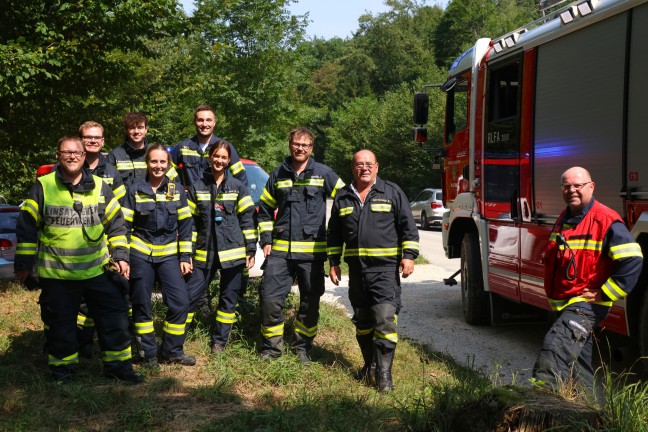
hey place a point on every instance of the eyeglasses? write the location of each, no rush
(364, 165)
(567, 187)
(71, 153)
(92, 138)
(301, 146)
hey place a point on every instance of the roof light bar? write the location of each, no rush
(510, 40)
(568, 15)
(586, 7)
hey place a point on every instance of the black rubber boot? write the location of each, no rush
(367, 372)
(384, 358)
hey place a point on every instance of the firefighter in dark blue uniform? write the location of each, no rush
(191, 159)
(66, 226)
(373, 220)
(92, 134)
(226, 239)
(130, 157)
(191, 156)
(294, 244)
(160, 227)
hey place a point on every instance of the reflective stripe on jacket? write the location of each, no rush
(234, 235)
(599, 247)
(299, 231)
(195, 163)
(50, 228)
(131, 163)
(159, 223)
(110, 176)
(377, 234)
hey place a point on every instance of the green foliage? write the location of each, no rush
(465, 21)
(383, 126)
(67, 62)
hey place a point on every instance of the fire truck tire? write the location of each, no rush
(476, 301)
(643, 332)
(424, 222)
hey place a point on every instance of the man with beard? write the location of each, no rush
(294, 244)
(65, 228)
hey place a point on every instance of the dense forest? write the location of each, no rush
(65, 62)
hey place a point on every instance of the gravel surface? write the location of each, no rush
(432, 315)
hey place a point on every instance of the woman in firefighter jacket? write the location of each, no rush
(226, 239)
(159, 227)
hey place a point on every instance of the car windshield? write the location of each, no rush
(8, 222)
(257, 179)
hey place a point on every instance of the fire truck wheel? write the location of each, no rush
(424, 222)
(476, 301)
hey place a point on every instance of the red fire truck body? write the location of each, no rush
(567, 90)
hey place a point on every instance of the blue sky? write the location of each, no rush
(330, 18)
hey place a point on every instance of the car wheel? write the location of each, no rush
(424, 222)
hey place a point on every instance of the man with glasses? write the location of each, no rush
(92, 135)
(294, 243)
(591, 261)
(372, 219)
(66, 227)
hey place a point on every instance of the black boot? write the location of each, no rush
(384, 358)
(367, 349)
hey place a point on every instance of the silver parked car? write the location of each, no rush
(428, 208)
(8, 219)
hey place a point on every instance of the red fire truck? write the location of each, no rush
(569, 89)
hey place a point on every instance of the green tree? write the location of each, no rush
(399, 42)
(57, 67)
(383, 125)
(465, 21)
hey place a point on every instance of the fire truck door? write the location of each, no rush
(502, 203)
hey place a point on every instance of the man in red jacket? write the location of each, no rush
(591, 261)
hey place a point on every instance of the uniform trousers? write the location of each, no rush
(175, 296)
(278, 277)
(376, 300)
(60, 301)
(566, 352)
(229, 292)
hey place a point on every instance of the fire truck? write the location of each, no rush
(569, 89)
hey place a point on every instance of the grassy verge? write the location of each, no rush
(237, 392)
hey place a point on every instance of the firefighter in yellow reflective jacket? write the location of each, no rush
(226, 239)
(294, 244)
(159, 227)
(65, 227)
(130, 157)
(372, 218)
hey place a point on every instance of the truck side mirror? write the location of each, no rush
(421, 108)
